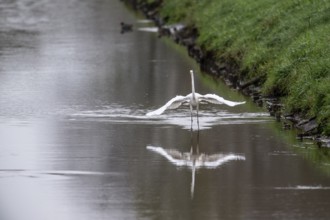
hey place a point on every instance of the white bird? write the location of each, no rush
(193, 100)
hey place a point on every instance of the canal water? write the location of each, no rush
(75, 142)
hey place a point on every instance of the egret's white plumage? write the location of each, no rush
(193, 100)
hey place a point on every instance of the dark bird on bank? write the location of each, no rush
(125, 27)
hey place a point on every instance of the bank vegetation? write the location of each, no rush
(284, 43)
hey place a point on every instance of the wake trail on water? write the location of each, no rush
(182, 118)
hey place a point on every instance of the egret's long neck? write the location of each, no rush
(192, 83)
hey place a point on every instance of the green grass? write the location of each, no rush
(286, 40)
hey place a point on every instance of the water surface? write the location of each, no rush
(74, 137)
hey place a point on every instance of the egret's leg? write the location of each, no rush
(191, 114)
(197, 141)
(197, 108)
(191, 140)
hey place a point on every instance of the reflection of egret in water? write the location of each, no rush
(194, 159)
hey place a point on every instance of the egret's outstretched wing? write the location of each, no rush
(215, 99)
(174, 103)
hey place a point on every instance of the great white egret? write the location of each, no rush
(193, 99)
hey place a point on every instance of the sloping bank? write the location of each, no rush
(276, 51)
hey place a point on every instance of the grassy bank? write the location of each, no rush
(286, 42)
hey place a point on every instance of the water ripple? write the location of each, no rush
(302, 187)
(182, 118)
(5, 173)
